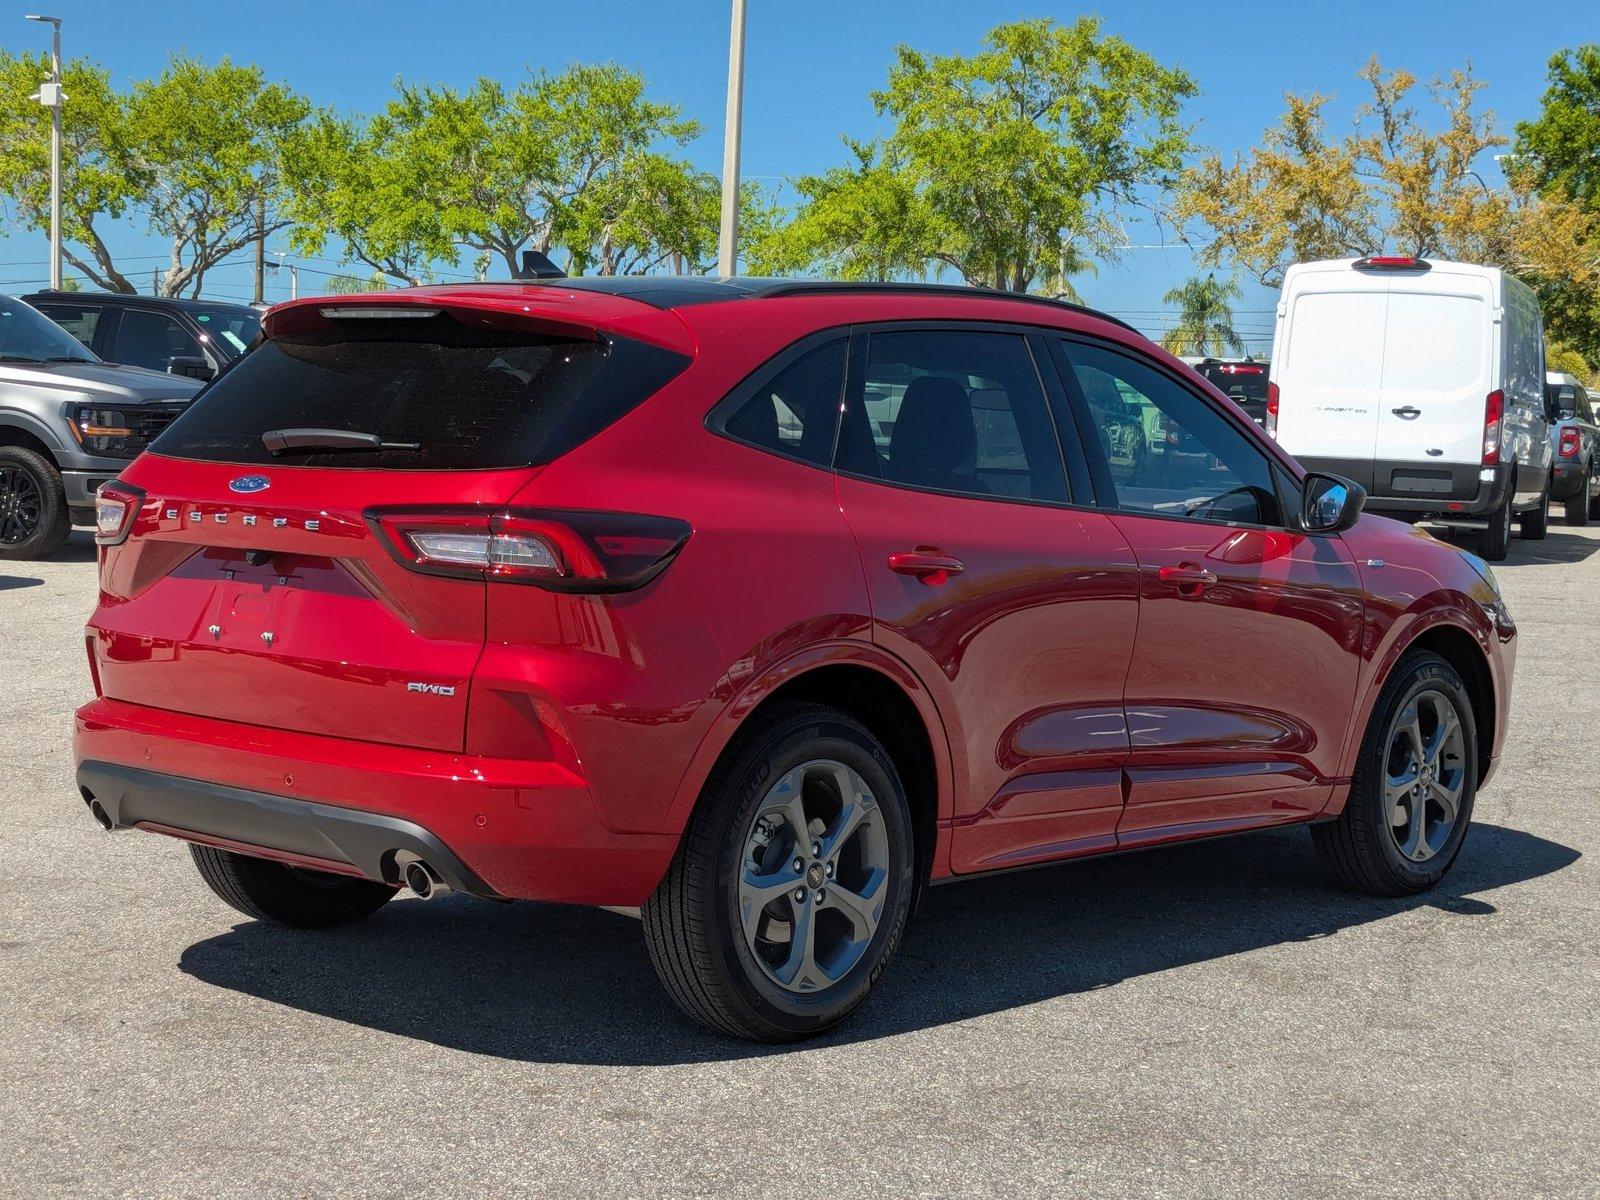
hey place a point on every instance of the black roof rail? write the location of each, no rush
(800, 287)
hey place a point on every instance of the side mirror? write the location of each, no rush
(190, 366)
(1330, 503)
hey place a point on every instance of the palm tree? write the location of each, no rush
(1205, 317)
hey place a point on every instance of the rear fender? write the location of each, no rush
(774, 676)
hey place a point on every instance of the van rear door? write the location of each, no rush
(1437, 373)
(1329, 371)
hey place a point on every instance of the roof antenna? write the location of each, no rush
(537, 265)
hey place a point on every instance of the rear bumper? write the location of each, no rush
(345, 840)
(1566, 477)
(507, 828)
(1463, 492)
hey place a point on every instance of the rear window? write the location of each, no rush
(466, 399)
(1244, 383)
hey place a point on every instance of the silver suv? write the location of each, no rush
(68, 423)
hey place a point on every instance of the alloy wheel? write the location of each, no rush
(813, 876)
(21, 505)
(1425, 775)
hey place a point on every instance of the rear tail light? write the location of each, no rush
(1569, 443)
(1493, 409)
(1272, 409)
(116, 505)
(560, 551)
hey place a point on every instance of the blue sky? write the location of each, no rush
(810, 67)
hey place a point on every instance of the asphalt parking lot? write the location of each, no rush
(1213, 1020)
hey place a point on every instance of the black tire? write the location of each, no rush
(691, 923)
(1358, 847)
(1494, 543)
(33, 505)
(1577, 506)
(290, 896)
(1534, 525)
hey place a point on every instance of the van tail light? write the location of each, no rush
(1569, 443)
(1493, 409)
(116, 504)
(1392, 262)
(557, 550)
(1272, 409)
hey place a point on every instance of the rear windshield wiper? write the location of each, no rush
(20, 358)
(280, 440)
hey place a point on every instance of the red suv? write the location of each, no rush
(757, 606)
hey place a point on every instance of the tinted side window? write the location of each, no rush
(77, 319)
(150, 339)
(794, 410)
(956, 412)
(1167, 450)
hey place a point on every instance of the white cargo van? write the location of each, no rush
(1423, 382)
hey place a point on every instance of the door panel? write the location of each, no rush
(1017, 610)
(1025, 648)
(1437, 373)
(1244, 666)
(1240, 690)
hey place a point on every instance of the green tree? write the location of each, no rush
(864, 222)
(1396, 182)
(197, 150)
(103, 181)
(1560, 153)
(350, 182)
(211, 140)
(1205, 318)
(579, 161)
(1004, 165)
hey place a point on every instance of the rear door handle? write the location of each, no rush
(1408, 412)
(928, 566)
(1189, 579)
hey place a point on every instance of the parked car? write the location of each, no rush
(607, 591)
(1423, 382)
(68, 423)
(1242, 380)
(1575, 442)
(197, 338)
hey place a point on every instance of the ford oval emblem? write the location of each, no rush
(250, 483)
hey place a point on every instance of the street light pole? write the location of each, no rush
(728, 237)
(50, 95)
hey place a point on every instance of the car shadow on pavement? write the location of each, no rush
(1560, 545)
(9, 583)
(560, 984)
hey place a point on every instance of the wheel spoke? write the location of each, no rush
(789, 796)
(1448, 725)
(863, 909)
(1447, 798)
(1416, 844)
(800, 971)
(756, 892)
(1396, 791)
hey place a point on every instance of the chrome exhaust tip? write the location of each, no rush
(101, 816)
(423, 881)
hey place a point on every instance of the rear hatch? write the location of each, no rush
(260, 587)
(1437, 375)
